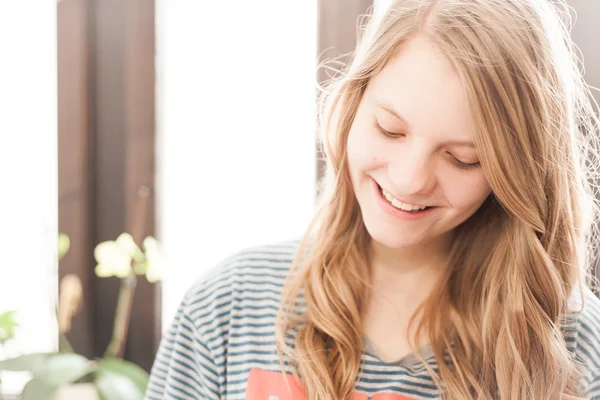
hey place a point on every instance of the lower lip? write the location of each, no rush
(396, 212)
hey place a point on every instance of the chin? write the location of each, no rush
(398, 243)
(393, 239)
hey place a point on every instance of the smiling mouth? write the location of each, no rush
(411, 208)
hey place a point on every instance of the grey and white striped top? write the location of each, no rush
(221, 343)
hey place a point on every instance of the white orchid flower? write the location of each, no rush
(154, 259)
(114, 257)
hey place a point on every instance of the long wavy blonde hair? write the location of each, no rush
(494, 322)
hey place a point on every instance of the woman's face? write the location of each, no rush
(411, 145)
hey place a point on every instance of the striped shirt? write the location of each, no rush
(221, 343)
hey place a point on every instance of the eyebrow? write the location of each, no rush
(395, 113)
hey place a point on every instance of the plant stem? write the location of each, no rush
(64, 346)
(116, 346)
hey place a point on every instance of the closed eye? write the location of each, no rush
(458, 163)
(386, 132)
(463, 165)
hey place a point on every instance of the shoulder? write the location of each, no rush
(251, 266)
(215, 320)
(583, 338)
(251, 278)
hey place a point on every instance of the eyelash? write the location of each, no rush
(385, 133)
(463, 165)
(454, 160)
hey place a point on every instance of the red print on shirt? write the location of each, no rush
(269, 385)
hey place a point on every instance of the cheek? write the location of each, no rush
(366, 151)
(361, 154)
(466, 193)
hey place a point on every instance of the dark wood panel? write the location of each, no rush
(139, 102)
(108, 27)
(75, 160)
(586, 36)
(124, 81)
(337, 27)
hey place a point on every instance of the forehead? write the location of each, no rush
(422, 85)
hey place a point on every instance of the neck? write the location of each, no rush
(408, 270)
(407, 259)
(402, 279)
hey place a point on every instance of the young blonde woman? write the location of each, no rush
(450, 254)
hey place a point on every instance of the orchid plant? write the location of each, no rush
(112, 377)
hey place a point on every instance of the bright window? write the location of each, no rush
(28, 175)
(236, 130)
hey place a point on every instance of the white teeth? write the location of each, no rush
(398, 204)
(401, 205)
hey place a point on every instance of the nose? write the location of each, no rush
(412, 173)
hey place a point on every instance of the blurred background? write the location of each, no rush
(189, 121)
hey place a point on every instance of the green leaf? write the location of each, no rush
(63, 368)
(27, 362)
(7, 318)
(116, 366)
(112, 386)
(37, 389)
(7, 326)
